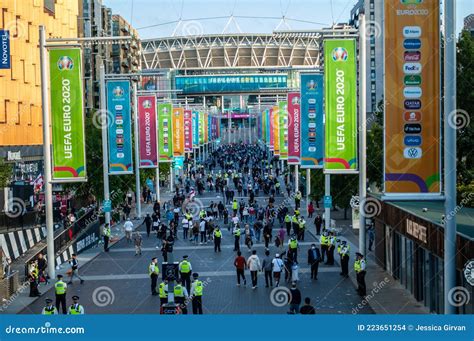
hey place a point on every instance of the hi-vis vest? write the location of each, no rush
(107, 232)
(343, 250)
(324, 240)
(287, 218)
(185, 267)
(50, 310)
(301, 223)
(73, 310)
(217, 233)
(162, 290)
(178, 291)
(198, 288)
(293, 244)
(294, 219)
(153, 269)
(234, 205)
(237, 232)
(60, 288)
(358, 265)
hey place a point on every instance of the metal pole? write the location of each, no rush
(449, 155)
(157, 180)
(362, 134)
(327, 210)
(105, 150)
(308, 184)
(48, 187)
(137, 155)
(297, 184)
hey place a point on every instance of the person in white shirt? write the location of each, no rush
(185, 223)
(254, 265)
(202, 231)
(128, 226)
(277, 268)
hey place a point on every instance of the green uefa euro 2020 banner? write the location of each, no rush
(341, 106)
(165, 132)
(283, 123)
(67, 115)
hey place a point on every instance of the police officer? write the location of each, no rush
(153, 272)
(288, 224)
(181, 296)
(196, 294)
(324, 241)
(293, 249)
(75, 308)
(49, 309)
(359, 268)
(331, 248)
(217, 239)
(297, 199)
(60, 288)
(235, 206)
(185, 268)
(107, 234)
(343, 250)
(301, 225)
(294, 224)
(163, 291)
(236, 233)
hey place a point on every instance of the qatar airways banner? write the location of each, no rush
(188, 131)
(294, 134)
(147, 131)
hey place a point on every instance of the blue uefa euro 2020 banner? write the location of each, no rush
(195, 129)
(120, 127)
(312, 128)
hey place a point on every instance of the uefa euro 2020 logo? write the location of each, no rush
(118, 92)
(339, 54)
(65, 63)
(146, 104)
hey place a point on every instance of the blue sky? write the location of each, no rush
(309, 14)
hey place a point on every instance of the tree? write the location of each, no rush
(5, 173)
(374, 147)
(343, 187)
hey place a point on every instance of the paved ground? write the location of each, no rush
(117, 282)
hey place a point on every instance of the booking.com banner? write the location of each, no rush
(297, 327)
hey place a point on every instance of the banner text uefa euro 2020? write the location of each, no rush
(165, 132)
(412, 98)
(119, 123)
(67, 115)
(294, 131)
(341, 106)
(147, 131)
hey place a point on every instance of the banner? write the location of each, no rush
(5, 59)
(201, 128)
(67, 115)
(283, 129)
(188, 131)
(294, 132)
(412, 98)
(271, 137)
(267, 126)
(178, 132)
(195, 130)
(206, 127)
(276, 130)
(119, 123)
(147, 132)
(312, 120)
(341, 106)
(165, 132)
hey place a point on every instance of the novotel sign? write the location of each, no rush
(5, 49)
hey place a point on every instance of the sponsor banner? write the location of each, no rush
(206, 127)
(67, 115)
(283, 126)
(294, 128)
(165, 132)
(276, 130)
(147, 131)
(341, 106)
(270, 129)
(178, 163)
(267, 126)
(119, 123)
(5, 59)
(195, 129)
(412, 98)
(201, 128)
(188, 131)
(312, 120)
(178, 132)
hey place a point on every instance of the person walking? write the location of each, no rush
(318, 222)
(153, 272)
(74, 270)
(185, 269)
(185, 223)
(278, 266)
(240, 265)
(295, 299)
(33, 277)
(60, 289)
(293, 249)
(196, 294)
(267, 267)
(236, 233)
(343, 250)
(75, 308)
(42, 267)
(148, 222)
(128, 226)
(106, 233)
(254, 265)
(307, 308)
(217, 239)
(359, 268)
(202, 231)
(138, 240)
(49, 309)
(310, 209)
(314, 257)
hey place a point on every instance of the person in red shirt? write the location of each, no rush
(240, 265)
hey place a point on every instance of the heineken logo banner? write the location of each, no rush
(341, 106)
(67, 115)
(119, 123)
